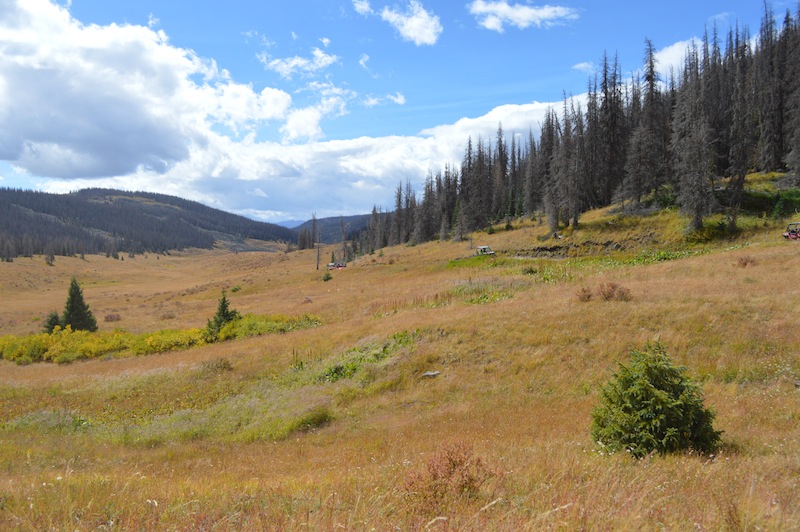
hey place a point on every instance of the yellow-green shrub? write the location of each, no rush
(66, 345)
(166, 340)
(256, 325)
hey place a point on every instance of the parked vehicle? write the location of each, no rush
(792, 231)
(484, 250)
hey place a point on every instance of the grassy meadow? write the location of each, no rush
(336, 426)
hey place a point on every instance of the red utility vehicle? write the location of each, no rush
(792, 231)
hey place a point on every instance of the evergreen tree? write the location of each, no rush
(548, 148)
(613, 137)
(224, 315)
(743, 126)
(647, 151)
(531, 178)
(691, 146)
(499, 173)
(76, 312)
(791, 35)
(770, 92)
(52, 321)
(651, 406)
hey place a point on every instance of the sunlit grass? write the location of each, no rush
(411, 354)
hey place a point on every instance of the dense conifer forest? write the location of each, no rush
(113, 222)
(686, 141)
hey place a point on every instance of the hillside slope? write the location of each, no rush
(337, 426)
(114, 221)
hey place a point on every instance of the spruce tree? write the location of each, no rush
(52, 321)
(651, 406)
(224, 315)
(76, 312)
(692, 146)
(743, 125)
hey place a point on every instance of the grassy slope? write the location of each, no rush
(252, 434)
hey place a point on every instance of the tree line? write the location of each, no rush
(687, 140)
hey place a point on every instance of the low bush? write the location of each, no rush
(251, 325)
(451, 475)
(584, 294)
(65, 345)
(614, 292)
(745, 260)
(651, 406)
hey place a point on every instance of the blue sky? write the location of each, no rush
(276, 110)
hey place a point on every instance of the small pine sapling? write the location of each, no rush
(651, 406)
(224, 315)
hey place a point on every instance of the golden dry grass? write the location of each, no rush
(180, 440)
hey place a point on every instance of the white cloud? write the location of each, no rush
(670, 60)
(415, 24)
(362, 7)
(374, 101)
(515, 118)
(303, 124)
(585, 67)
(273, 182)
(117, 106)
(238, 106)
(325, 42)
(363, 60)
(96, 100)
(495, 14)
(286, 68)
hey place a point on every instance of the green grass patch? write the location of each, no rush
(357, 358)
(251, 325)
(478, 261)
(483, 292)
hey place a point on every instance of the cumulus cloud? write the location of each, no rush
(238, 106)
(515, 119)
(118, 106)
(287, 67)
(89, 100)
(362, 7)
(397, 98)
(586, 67)
(495, 14)
(670, 59)
(415, 24)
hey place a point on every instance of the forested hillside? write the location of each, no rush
(113, 221)
(686, 141)
(329, 230)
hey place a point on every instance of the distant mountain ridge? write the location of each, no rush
(291, 224)
(113, 221)
(330, 229)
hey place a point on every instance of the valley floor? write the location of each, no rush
(338, 426)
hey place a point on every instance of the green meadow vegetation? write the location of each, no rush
(546, 387)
